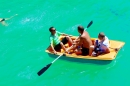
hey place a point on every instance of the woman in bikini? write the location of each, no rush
(2, 20)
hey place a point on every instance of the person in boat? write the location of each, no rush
(101, 47)
(84, 43)
(2, 20)
(56, 44)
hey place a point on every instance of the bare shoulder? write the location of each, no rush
(82, 37)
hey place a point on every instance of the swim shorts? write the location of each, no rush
(58, 46)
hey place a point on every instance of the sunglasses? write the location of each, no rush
(53, 30)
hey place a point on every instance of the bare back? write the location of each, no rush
(85, 40)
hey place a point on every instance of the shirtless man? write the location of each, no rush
(84, 42)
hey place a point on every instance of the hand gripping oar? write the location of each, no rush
(47, 66)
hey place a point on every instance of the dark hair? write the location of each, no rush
(101, 34)
(2, 20)
(50, 28)
(80, 28)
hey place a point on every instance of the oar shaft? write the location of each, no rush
(60, 55)
(57, 58)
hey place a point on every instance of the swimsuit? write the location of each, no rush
(85, 51)
(58, 46)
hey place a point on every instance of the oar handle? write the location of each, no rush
(57, 58)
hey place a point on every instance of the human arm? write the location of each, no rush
(52, 44)
(77, 40)
(11, 17)
(63, 34)
(80, 41)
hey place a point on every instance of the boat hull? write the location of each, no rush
(115, 46)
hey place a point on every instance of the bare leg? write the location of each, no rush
(73, 47)
(69, 39)
(63, 47)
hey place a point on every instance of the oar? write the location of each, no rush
(11, 17)
(47, 66)
(90, 23)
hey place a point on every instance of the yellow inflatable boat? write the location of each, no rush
(115, 46)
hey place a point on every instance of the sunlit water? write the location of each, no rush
(24, 40)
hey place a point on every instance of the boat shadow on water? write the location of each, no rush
(80, 60)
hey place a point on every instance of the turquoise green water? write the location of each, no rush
(24, 40)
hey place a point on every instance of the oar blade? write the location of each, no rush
(44, 69)
(89, 24)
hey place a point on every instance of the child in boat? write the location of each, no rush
(102, 46)
(56, 44)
